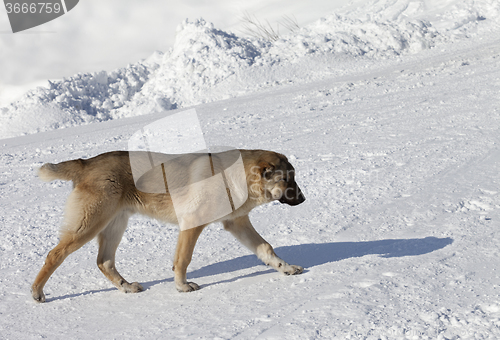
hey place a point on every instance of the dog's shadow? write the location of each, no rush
(315, 254)
(308, 255)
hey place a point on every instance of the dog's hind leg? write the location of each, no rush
(55, 257)
(85, 217)
(109, 239)
(183, 254)
(242, 229)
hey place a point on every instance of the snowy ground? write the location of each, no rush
(397, 155)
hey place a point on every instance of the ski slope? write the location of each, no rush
(397, 154)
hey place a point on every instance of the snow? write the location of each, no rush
(208, 64)
(394, 137)
(104, 36)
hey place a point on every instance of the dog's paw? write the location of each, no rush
(38, 296)
(133, 287)
(187, 287)
(292, 270)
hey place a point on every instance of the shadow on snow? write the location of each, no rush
(308, 255)
(315, 254)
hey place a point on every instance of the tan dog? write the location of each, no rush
(105, 195)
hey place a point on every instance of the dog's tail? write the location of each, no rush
(67, 171)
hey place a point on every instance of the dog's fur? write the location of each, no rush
(105, 195)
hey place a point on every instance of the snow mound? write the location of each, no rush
(81, 99)
(201, 58)
(341, 34)
(207, 64)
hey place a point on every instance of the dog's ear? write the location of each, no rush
(266, 169)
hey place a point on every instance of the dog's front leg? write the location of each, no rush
(183, 254)
(242, 229)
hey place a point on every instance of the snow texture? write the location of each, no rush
(395, 139)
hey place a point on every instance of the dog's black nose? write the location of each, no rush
(295, 199)
(301, 198)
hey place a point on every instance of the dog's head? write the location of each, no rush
(277, 177)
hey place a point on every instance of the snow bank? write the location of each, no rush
(201, 58)
(340, 34)
(80, 99)
(205, 64)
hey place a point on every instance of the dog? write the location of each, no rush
(109, 188)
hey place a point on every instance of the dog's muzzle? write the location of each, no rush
(293, 199)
